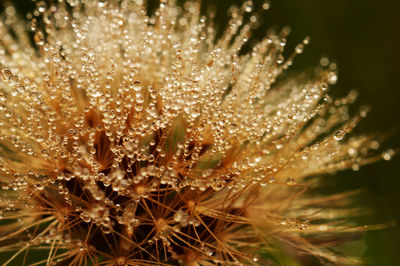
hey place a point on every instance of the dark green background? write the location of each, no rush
(363, 37)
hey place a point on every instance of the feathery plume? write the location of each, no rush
(136, 139)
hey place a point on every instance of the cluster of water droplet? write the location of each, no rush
(150, 128)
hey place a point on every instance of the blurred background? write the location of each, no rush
(363, 38)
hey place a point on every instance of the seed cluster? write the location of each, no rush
(136, 139)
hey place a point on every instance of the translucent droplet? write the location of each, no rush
(137, 86)
(7, 74)
(248, 6)
(299, 48)
(41, 6)
(324, 61)
(266, 5)
(374, 145)
(332, 78)
(280, 59)
(291, 181)
(339, 134)
(101, 3)
(39, 186)
(324, 86)
(279, 146)
(387, 155)
(355, 167)
(364, 111)
(352, 152)
(56, 57)
(33, 25)
(39, 38)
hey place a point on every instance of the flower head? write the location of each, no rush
(136, 139)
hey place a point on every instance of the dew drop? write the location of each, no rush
(291, 181)
(101, 3)
(280, 59)
(33, 25)
(324, 86)
(266, 5)
(39, 38)
(332, 78)
(374, 145)
(299, 48)
(248, 6)
(355, 167)
(324, 61)
(56, 58)
(7, 74)
(388, 155)
(339, 134)
(137, 86)
(41, 6)
(39, 186)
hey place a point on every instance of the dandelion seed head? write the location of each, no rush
(136, 139)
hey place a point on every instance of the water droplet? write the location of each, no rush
(374, 145)
(41, 6)
(332, 78)
(279, 146)
(266, 5)
(39, 38)
(101, 3)
(364, 110)
(355, 167)
(324, 61)
(339, 134)
(280, 59)
(33, 25)
(56, 57)
(299, 48)
(387, 155)
(39, 186)
(352, 152)
(324, 86)
(137, 86)
(6, 74)
(291, 181)
(248, 6)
